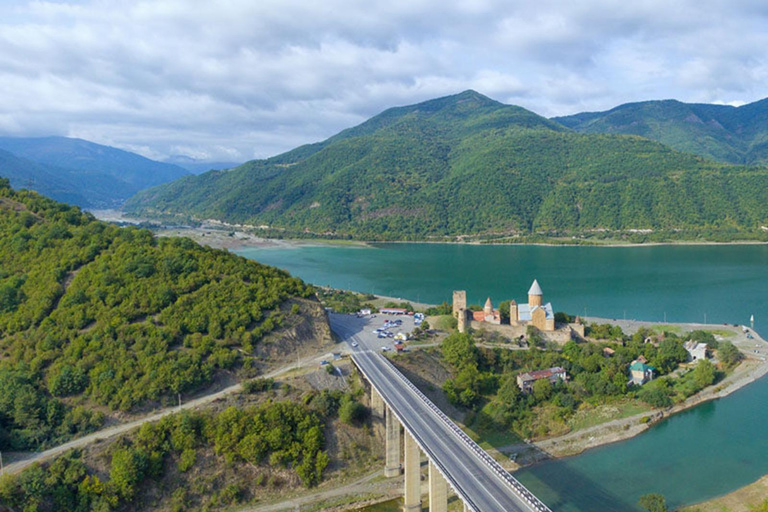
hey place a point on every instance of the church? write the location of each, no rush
(535, 312)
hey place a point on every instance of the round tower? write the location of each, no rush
(488, 308)
(535, 295)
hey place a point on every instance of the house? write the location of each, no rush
(696, 351)
(608, 351)
(640, 373)
(525, 380)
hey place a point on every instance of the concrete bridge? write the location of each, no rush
(455, 461)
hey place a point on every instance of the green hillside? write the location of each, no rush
(467, 165)
(95, 315)
(737, 135)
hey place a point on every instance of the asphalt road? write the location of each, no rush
(479, 480)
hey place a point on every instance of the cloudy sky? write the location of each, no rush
(240, 79)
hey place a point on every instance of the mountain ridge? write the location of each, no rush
(468, 165)
(81, 172)
(735, 135)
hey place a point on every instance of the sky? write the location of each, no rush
(233, 80)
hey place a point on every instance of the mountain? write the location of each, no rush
(196, 166)
(737, 135)
(468, 165)
(113, 317)
(82, 172)
(65, 185)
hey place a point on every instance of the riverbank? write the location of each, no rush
(754, 366)
(221, 235)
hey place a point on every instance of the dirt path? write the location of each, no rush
(28, 458)
(390, 488)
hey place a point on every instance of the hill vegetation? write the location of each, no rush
(467, 165)
(80, 172)
(253, 448)
(736, 135)
(96, 315)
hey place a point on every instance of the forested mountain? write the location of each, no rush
(112, 316)
(468, 165)
(737, 135)
(66, 185)
(81, 172)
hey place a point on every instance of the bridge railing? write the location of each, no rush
(519, 488)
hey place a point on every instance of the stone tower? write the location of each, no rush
(459, 302)
(462, 317)
(488, 308)
(513, 316)
(535, 295)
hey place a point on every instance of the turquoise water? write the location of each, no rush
(710, 450)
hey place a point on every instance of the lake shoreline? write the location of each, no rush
(240, 240)
(574, 443)
(244, 237)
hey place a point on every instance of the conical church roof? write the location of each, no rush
(535, 289)
(488, 303)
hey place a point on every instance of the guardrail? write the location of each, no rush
(519, 489)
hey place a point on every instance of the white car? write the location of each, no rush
(385, 349)
(354, 344)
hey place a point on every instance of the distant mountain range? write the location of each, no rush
(196, 166)
(80, 172)
(737, 135)
(469, 165)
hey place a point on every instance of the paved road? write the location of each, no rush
(480, 481)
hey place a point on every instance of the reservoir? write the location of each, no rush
(707, 451)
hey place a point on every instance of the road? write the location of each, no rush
(478, 479)
(32, 457)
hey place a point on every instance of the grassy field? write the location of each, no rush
(589, 416)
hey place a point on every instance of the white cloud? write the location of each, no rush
(237, 79)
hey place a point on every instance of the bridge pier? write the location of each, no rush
(392, 465)
(412, 463)
(377, 404)
(438, 490)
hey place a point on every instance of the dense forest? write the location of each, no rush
(467, 165)
(96, 315)
(736, 135)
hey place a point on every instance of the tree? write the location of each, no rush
(352, 412)
(729, 354)
(459, 349)
(653, 502)
(704, 373)
(542, 389)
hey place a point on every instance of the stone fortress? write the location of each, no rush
(534, 313)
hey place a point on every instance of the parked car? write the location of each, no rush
(354, 344)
